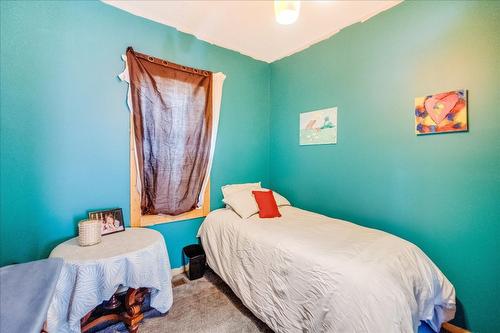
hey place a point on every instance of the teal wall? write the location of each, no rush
(64, 122)
(441, 192)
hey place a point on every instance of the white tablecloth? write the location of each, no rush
(90, 275)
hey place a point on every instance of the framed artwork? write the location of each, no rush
(111, 220)
(441, 113)
(318, 127)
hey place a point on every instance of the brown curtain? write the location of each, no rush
(172, 112)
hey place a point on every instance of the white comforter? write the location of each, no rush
(306, 272)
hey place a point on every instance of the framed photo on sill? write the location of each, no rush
(111, 220)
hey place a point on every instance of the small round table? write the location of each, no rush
(135, 260)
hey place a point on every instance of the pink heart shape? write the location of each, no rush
(438, 106)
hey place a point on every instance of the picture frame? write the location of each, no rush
(444, 112)
(318, 127)
(111, 220)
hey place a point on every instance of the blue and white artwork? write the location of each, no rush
(318, 127)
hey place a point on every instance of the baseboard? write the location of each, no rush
(450, 328)
(179, 270)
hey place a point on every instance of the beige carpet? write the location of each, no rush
(204, 305)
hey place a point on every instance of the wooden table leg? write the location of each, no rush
(111, 311)
(133, 303)
(113, 303)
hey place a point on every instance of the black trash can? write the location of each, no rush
(194, 256)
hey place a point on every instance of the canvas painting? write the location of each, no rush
(318, 127)
(441, 113)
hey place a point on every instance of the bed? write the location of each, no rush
(306, 272)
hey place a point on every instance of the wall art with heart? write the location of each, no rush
(441, 113)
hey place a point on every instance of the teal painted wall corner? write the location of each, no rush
(442, 192)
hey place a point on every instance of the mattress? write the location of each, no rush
(306, 272)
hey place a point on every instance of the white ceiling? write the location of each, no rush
(249, 27)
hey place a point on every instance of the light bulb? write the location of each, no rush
(286, 12)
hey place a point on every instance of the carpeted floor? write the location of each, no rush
(205, 305)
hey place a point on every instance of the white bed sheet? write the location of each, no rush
(305, 272)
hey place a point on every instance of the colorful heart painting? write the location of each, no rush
(441, 113)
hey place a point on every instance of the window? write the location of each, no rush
(174, 119)
(139, 220)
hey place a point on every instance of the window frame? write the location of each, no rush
(139, 220)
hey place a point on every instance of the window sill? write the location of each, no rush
(138, 220)
(149, 220)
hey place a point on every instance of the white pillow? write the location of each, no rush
(244, 204)
(280, 200)
(227, 190)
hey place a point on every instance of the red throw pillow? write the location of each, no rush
(267, 204)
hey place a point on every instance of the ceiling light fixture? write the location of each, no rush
(286, 12)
